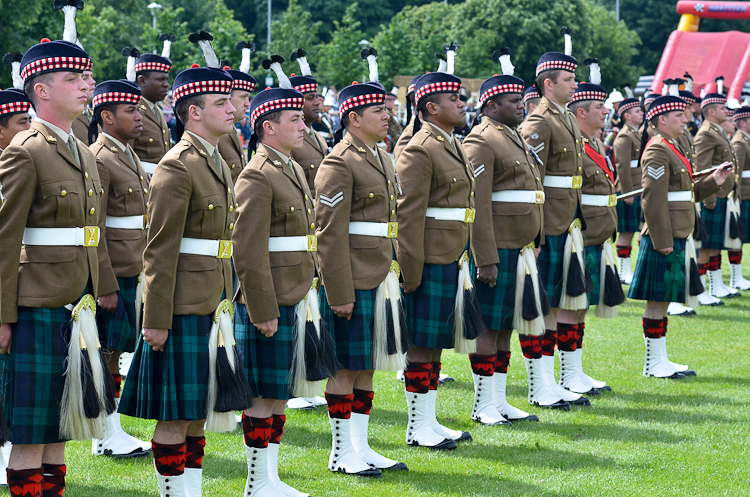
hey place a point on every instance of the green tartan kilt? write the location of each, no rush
(173, 384)
(498, 304)
(629, 216)
(715, 222)
(267, 361)
(353, 338)
(117, 329)
(594, 265)
(550, 264)
(32, 374)
(650, 268)
(745, 215)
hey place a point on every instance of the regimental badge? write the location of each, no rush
(440, 139)
(312, 243)
(392, 230)
(204, 154)
(91, 236)
(534, 136)
(470, 213)
(225, 249)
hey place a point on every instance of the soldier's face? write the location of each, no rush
(562, 91)
(719, 113)
(311, 108)
(373, 122)
(67, 94)
(217, 115)
(88, 77)
(290, 130)
(241, 101)
(16, 123)
(126, 122)
(451, 110)
(673, 123)
(689, 111)
(598, 114)
(633, 116)
(154, 85)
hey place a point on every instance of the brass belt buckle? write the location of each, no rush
(312, 243)
(577, 182)
(540, 196)
(470, 215)
(392, 230)
(225, 249)
(91, 236)
(612, 201)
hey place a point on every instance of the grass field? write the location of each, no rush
(646, 437)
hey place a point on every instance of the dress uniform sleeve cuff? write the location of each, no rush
(411, 268)
(339, 291)
(9, 310)
(485, 252)
(157, 312)
(705, 190)
(107, 281)
(261, 306)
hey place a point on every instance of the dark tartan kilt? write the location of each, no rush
(33, 374)
(648, 279)
(430, 309)
(267, 361)
(629, 216)
(550, 264)
(594, 264)
(745, 214)
(173, 384)
(353, 338)
(117, 329)
(715, 222)
(498, 304)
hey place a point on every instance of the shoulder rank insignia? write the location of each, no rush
(114, 149)
(331, 201)
(276, 163)
(143, 107)
(204, 154)
(362, 150)
(51, 139)
(440, 139)
(347, 142)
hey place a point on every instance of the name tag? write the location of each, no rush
(225, 249)
(470, 215)
(91, 236)
(392, 230)
(312, 243)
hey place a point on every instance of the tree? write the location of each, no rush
(340, 60)
(295, 30)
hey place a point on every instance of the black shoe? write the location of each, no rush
(370, 473)
(560, 404)
(504, 422)
(689, 372)
(605, 387)
(446, 444)
(583, 402)
(465, 437)
(530, 417)
(399, 466)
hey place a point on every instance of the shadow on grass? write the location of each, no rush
(82, 490)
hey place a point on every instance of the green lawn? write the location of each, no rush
(647, 437)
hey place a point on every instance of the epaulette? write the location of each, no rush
(421, 136)
(346, 142)
(32, 133)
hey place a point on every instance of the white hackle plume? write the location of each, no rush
(628, 91)
(503, 55)
(674, 87)
(371, 55)
(688, 81)
(247, 48)
(442, 65)
(733, 103)
(595, 72)
(274, 64)
(13, 59)
(168, 39)
(70, 33)
(720, 84)
(665, 88)
(132, 54)
(450, 56)
(568, 36)
(203, 40)
(300, 57)
(703, 92)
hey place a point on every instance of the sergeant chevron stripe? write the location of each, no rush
(479, 170)
(331, 201)
(538, 148)
(655, 172)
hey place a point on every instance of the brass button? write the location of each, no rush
(682, 170)
(472, 194)
(210, 207)
(86, 174)
(92, 211)
(63, 193)
(151, 140)
(579, 169)
(141, 178)
(229, 191)
(237, 204)
(539, 180)
(391, 197)
(389, 182)
(145, 190)
(565, 149)
(312, 226)
(91, 192)
(231, 208)
(101, 191)
(166, 144)
(393, 211)
(306, 198)
(372, 194)
(312, 166)
(232, 166)
(518, 162)
(532, 166)
(309, 211)
(576, 142)
(130, 190)
(231, 226)
(292, 209)
(597, 172)
(527, 153)
(579, 154)
(163, 132)
(454, 180)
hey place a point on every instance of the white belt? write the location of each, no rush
(634, 163)
(519, 196)
(451, 214)
(382, 230)
(221, 249)
(683, 196)
(76, 237)
(304, 243)
(746, 174)
(126, 222)
(599, 200)
(563, 181)
(149, 167)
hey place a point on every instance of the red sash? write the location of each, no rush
(684, 159)
(600, 160)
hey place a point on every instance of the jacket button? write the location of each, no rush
(130, 190)
(232, 166)
(63, 193)
(306, 198)
(166, 144)
(389, 182)
(145, 190)
(231, 208)
(231, 226)
(312, 166)
(92, 211)
(393, 212)
(518, 162)
(91, 192)
(309, 211)
(292, 209)
(141, 178)
(472, 194)
(312, 226)
(210, 207)
(391, 197)
(372, 194)
(565, 149)
(86, 175)
(151, 140)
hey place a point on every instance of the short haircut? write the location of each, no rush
(705, 109)
(4, 120)
(274, 117)
(552, 74)
(28, 86)
(581, 104)
(183, 106)
(101, 108)
(626, 114)
(422, 106)
(530, 101)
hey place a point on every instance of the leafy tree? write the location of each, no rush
(295, 30)
(340, 60)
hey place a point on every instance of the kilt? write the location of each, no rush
(353, 338)
(117, 329)
(594, 265)
(550, 264)
(715, 222)
(629, 216)
(33, 374)
(745, 214)
(650, 268)
(430, 309)
(498, 304)
(267, 361)
(173, 384)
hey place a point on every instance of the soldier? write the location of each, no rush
(277, 268)
(508, 226)
(598, 203)
(122, 224)
(666, 246)
(411, 114)
(188, 275)
(357, 229)
(531, 99)
(553, 133)
(314, 148)
(48, 221)
(152, 73)
(230, 145)
(627, 149)
(435, 215)
(82, 122)
(741, 144)
(14, 115)
(713, 147)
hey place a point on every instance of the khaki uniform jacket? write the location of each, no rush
(431, 174)
(273, 202)
(687, 145)
(502, 163)
(44, 187)
(627, 148)
(741, 144)
(188, 198)
(712, 147)
(663, 172)
(81, 128)
(155, 137)
(314, 150)
(125, 194)
(352, 186)
(601, 222)
(560, 149)
(403, 140)
(231, 150)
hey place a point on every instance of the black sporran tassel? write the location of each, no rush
(405, 337)
(529, 309)
(234, 392)
(736, 229)
(91, 405)
(701, 232)
(696, 287)
(316, 370)
(330, 361)
(576, 284)
(543, 298)
(390, 332)
(613, 294)
(473, 322)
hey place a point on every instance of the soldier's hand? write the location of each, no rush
(537, 251)
(108, 302)
(5, 338)
(343, 311)
(630, 200)
(268, 328)
(722, 173)
(410, 287)
(665, 251)
(488, 275)
(710, 206)
(155, 338)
